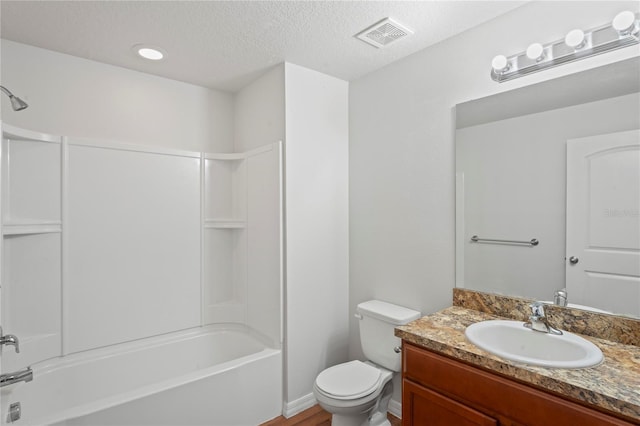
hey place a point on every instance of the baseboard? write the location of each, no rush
(395, 408)
(290, 409)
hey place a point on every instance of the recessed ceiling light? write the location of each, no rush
(149, 52)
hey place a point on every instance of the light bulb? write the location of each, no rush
(535, 52)
(500, 63)
(624, 22)
(148, 52)
(575, 39)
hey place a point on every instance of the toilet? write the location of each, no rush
(357, 393)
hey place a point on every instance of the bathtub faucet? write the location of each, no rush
(24, 375)
(9, 340)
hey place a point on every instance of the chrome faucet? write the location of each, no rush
(9, 340)
(560, 297)
(538, 321)
(24, 375)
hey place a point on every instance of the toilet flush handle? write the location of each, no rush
(397, 349)
(358, 316)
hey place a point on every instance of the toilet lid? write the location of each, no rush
(350, 380)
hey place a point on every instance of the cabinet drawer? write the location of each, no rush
(425, 407)
(495, 395)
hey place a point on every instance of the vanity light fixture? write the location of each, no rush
(535, 51)
(625, 23)
(149, 52)
(624, 30)
(500, 64)
(575, 39)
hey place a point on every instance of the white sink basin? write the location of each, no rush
(513, 341)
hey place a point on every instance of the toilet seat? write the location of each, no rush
(351, 380)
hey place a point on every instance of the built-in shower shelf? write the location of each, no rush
(224, 224)
(31, 227)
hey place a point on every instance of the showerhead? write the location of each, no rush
(16, 103)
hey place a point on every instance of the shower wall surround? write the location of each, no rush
(105, 243)
(31, 255)
(131, 244)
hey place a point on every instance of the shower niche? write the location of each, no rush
(225, 237)
(242, 238)
(105, 243)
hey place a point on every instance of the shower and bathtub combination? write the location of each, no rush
(140, 285)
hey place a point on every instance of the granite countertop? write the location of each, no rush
(614, 385)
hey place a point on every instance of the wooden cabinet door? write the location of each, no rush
(424, 407)
(477, 392)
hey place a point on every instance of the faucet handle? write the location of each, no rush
(9, 340)
(537, 309)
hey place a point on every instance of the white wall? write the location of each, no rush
(259, 111)
(317, 159)
(77, 97)
(309, 111)
(402, 192)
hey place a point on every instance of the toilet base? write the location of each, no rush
(378, 419)
(340, 420)
(377, 416)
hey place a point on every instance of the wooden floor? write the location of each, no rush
(314, 416)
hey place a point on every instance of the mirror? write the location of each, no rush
(516, 180)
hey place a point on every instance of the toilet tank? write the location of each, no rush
(377, 321)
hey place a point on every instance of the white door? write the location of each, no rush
(603, 222)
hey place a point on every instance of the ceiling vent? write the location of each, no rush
(383, 33)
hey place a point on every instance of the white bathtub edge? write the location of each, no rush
(152, 389)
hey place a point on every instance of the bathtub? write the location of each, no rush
(205, 376)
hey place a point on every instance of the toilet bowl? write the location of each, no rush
(357, 393)
(351, 391)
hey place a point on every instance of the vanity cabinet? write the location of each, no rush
(440, 391)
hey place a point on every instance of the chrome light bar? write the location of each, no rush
(623, 31)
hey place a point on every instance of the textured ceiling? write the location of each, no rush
(226, 44)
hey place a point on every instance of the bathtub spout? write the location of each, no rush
(24, 375)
